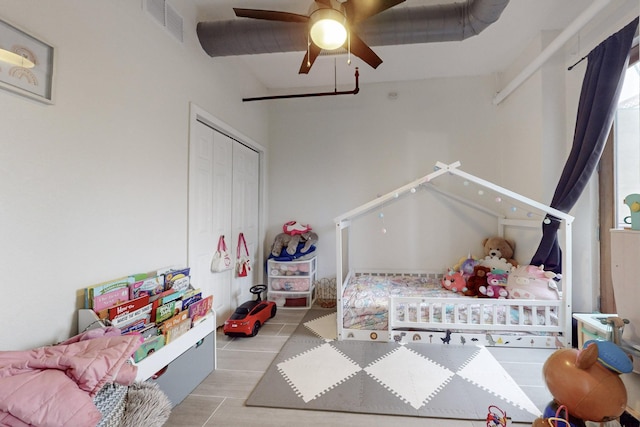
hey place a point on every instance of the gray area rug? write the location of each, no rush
(313, 371)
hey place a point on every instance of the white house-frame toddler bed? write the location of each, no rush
(375, 304)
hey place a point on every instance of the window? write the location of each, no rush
(619, 174)
(626, 136)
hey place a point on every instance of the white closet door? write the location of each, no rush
(245, 217)
(210, 187)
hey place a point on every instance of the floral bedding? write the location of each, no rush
(366, 297)
(366, 301)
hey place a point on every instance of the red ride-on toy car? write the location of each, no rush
(248, 318)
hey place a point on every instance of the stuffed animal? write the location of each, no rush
(477, 279)
(454, 281)
(465, 265)
(500, 248)
(284, 240)
(497, 277)
(309, 238)
(495, 263)
(531, 282)
(291, 242)
(493, 291)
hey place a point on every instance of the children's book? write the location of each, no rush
(148, 286)
(171, 297)
(127, 319)
(200, 309)
(136, 326)
(170, 323)
(187, 301)
(128, 307)
(178, 329)
(102, 288)
(102, 302)
(168, 310)
(150, 330)
(148, 347)
(177, 279)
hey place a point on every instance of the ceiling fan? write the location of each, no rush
(343, 17)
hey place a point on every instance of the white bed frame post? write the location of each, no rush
(567, 277)
(342, 266)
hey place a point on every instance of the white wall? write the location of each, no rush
(94, 187)
(330, 155)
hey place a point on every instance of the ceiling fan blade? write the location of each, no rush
(358, 10)
(360, 49)
(324, 2)
(270, 15)
(309, 59)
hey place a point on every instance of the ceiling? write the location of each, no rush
(493, 50)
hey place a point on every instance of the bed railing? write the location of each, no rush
(475, 314)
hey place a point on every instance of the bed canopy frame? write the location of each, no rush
(436, 181)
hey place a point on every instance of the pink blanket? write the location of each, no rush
(55, 386)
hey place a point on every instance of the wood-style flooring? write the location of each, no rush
(219, 399)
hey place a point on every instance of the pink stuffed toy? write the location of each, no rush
(531, 282)
(494, 291)
(454, 281)
(496, 285)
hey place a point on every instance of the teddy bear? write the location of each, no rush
(498, 247)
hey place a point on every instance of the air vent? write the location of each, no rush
(155, 8)
(165, 15)
(173, 22)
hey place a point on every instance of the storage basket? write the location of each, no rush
(110, 401)
(326, 292)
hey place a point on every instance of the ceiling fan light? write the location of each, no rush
(328, 29)
(15, 59)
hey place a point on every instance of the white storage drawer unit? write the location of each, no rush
(292, 283)
(180, 377)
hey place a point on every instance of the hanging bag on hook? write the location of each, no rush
(221, 259)
(243, 265)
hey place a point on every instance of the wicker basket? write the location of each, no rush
(110, 401)
(326, 292)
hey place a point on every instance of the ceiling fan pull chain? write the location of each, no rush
(308, 51)
(348, 47)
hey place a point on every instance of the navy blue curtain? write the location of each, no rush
(607, 64)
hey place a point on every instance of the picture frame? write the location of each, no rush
(26, 63)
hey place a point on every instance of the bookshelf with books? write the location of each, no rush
(176, 321)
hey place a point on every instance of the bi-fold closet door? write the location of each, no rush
(224, 183)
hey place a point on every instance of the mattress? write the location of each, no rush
(366, 303)
(366, 297)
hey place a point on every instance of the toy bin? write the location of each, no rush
(292, 283)
(292, 299)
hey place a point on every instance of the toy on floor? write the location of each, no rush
(555, 414)
(496, 417)
(251, 315)
(587, 381)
